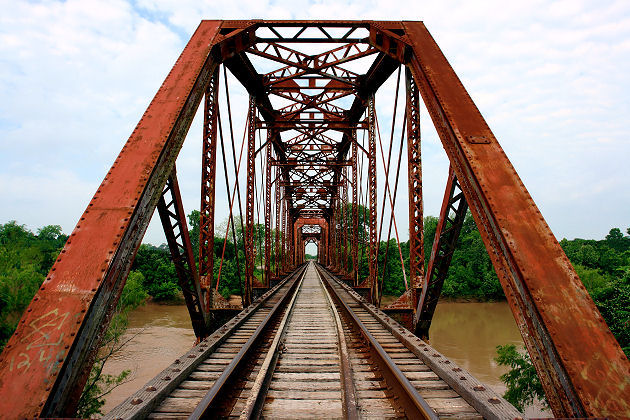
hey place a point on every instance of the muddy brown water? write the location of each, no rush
(466, 332)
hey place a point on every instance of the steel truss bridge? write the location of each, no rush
(312, 150)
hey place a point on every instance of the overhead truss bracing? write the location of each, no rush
(311, 132)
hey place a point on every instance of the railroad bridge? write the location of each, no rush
(313, 338)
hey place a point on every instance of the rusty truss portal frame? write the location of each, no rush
(312, 106)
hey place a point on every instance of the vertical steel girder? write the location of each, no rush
(355, 211)
(373, 255)
(208, 174)
(250, 203)
(582, 368)
(291, 243)
(278, 227)
(344, 225)
(334, 234)
(286, 234)
(289, 238)
(414, 164)
(173, 218)
(446, 234)
(268, 213)
(338, 235)
(49, 357)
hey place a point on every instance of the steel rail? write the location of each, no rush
(408, 397)
(348, 392)
(208, 406)
(141, 403)
(255, 401)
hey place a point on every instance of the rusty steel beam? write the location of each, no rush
(338, 235)
(344, 227)
(372, 202)
(414, 174)
(285, 233)
(355, 211)
(208, 175)
(173, 218)
(582, 368)
(268, 216)
(49, 357)
(277, 258)
(449, 225)
(249, 203)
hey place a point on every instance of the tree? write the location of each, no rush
(49, 233)
(155, 264)
(193, 231)
(616, 240)
(588, 256)
(523, 385)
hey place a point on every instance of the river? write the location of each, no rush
(468, 333)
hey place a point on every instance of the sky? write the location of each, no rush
(551, 79)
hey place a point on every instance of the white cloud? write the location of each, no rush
(550, 78)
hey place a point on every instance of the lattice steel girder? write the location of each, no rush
(268, 216)
(344, 226)
(48, 358)
(208, 175)
(249, 204)
(583, 369)
(309, 124)
(414, 176)
(372, 202)
(446, 234)
(278, 198)
(355, 211)
(173, 218)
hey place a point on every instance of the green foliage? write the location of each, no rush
(604, 268)
(471, 273)
(612, 297)
(25, 259)
(230, 282)
(523, 385)
(155, 264)
(193, 231)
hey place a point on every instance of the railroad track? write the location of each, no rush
(312, 348)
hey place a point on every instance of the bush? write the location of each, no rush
(523, 385)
